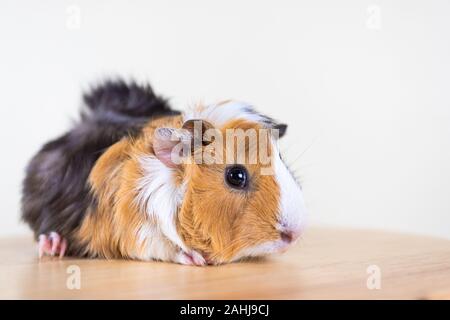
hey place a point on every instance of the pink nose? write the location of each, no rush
(289, 236)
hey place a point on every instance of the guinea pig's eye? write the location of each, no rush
(236, 177)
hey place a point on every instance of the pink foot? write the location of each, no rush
(192, 258)
(52, 245)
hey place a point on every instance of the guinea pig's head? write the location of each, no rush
(239, 199)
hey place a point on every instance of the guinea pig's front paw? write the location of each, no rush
(51, 244)
(192, 258)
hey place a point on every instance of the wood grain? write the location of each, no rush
(325, 264)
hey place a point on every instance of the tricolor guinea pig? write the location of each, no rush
(135, 179)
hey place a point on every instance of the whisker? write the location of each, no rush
(304, 151)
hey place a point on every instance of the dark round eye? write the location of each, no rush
(236, 177)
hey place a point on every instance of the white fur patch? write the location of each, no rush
(219, 114)
(160, 197)
(156, 246)
(292, 205)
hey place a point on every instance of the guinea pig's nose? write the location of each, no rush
(289, 235)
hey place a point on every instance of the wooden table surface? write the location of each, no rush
(325, 264)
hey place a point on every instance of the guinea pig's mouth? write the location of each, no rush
(283, 244)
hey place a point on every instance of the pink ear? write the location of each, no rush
(168, 147)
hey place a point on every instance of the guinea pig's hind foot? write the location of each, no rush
(192, 258)
(51, 245)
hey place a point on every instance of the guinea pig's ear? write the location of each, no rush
(172, 145)
(282, 128)
(166, 145)
(197, 129)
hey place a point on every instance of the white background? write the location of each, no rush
(363, 85)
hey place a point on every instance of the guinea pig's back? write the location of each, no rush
(56, 195)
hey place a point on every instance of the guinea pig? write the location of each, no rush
(135, 179)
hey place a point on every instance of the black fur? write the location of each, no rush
(55, 191)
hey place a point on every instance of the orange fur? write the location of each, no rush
(214, 219)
